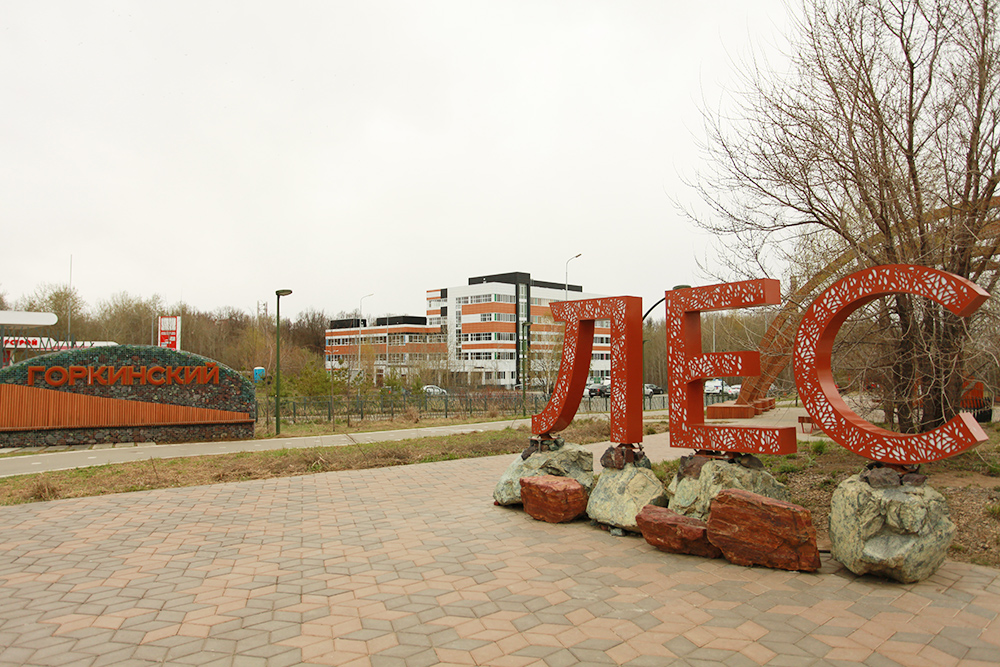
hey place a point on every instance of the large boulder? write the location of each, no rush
(752, 529)
(675, 533)
(553, 499)
(569, 460)
(699, 481)
(620, 495)
(901, 531)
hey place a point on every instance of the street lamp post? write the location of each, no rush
(360, 307)
(525, 364)
(385, 373)
(566, 284)
(277, 372)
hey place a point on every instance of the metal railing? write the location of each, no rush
(391, 407)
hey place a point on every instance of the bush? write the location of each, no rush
(43, 489)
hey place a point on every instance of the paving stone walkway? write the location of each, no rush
(414, 566)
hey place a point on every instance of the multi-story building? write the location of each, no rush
(394, 345)
(496, 330)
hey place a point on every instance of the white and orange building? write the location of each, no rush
(496, 330)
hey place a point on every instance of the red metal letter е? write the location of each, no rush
(688, 367)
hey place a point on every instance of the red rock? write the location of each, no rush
(675, 533)
(553, 499)
(751, 529)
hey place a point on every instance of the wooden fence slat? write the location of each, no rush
(28, 408)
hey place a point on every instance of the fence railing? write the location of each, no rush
(383, 408)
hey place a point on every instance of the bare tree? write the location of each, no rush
(881, 143)
(545, 353)
(127, 319)
(68, 306)
(309, 330)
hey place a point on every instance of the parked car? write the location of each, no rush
(715, 386)
(434, 390)
(733, 389)
(599, 390)
(651, 390)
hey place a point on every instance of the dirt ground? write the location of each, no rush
(970, 482)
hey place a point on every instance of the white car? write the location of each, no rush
(434, 390)
(715, 387)
(733, 389)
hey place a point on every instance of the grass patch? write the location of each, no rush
(666, 470)
(242, 466)
(407, 419)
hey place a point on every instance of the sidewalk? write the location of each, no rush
(414, 565)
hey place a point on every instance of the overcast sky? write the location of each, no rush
(213, 152)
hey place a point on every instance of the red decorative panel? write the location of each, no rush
(689, 367)
(814, 374)
(625, 313)
(32, 408)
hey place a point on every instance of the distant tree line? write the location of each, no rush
(234, 337)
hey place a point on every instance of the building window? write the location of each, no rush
(497, 317)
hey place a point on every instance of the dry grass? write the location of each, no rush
(410, 418)
(970, 482)
(195, 471)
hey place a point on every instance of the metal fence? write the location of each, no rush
(711, 399)
(487, 405)
(382, 408)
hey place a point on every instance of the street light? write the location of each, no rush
(566, 293)
(360, 307)
(385, 373)
(277, 373)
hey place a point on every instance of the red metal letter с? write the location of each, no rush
(814, 374)
(625, 313)
(688, 367)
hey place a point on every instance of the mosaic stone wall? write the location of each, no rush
(149, 434)
(135, 373)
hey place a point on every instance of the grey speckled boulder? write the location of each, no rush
(568, 461)
(620, 495)
(692, 496)
(900, 532)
